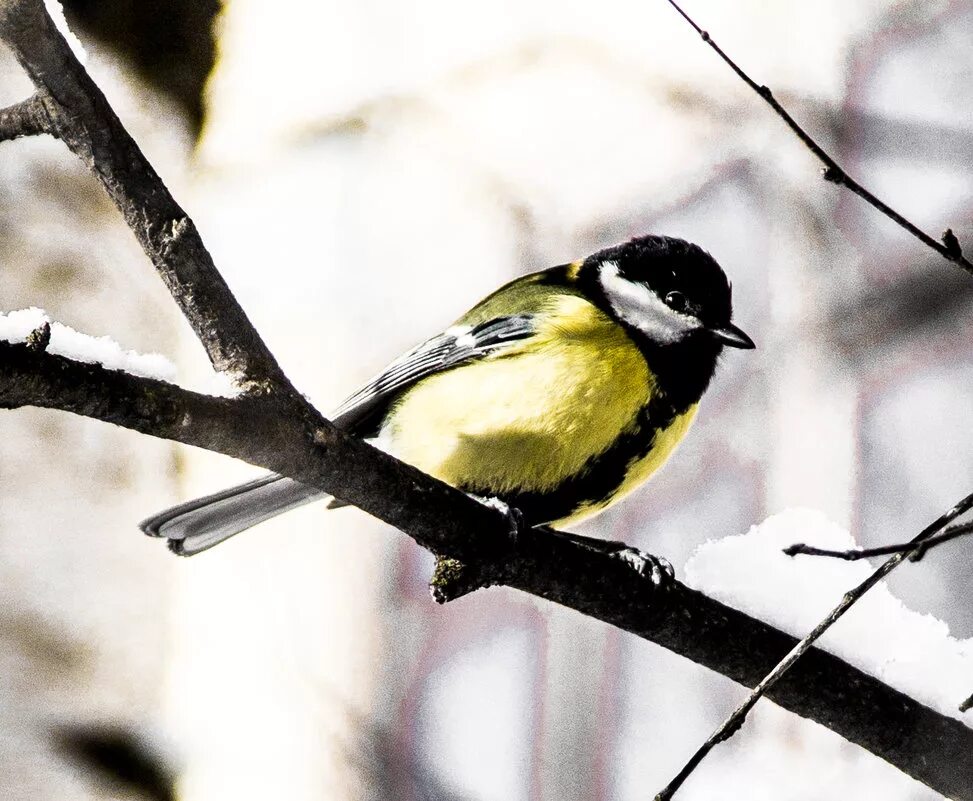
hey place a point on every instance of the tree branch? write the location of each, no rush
(29, 117)
(266, 431)
(949, 248)
(732, 724)
(78, 114)
(854, 554)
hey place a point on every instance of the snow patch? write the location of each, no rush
(15, 326)
(910, 651)
(221, 385)
(493, 503)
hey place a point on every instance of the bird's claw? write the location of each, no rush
(656, 569)
(516, 524)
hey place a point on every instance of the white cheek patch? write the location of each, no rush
(640, 307)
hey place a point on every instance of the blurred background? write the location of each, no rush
(363, 172)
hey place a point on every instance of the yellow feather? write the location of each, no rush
(534, 414)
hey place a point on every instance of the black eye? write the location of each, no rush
(676, 301)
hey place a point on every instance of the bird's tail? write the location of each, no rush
(199, 524)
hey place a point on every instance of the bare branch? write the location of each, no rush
(854, 554)
(79, 114)
(29, 117)
(949, 248)
(733, 723)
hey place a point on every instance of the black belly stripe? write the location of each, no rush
(600, 477)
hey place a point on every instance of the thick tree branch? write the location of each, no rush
(267, 431)
(949, 248)
(78, 113)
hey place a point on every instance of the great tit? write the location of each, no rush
(558, 394)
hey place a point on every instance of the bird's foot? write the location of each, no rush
(656, 569)
(516, 524)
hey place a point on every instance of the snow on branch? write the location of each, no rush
(910, 651)
(78, 114)
(34, 326)
(849, 599)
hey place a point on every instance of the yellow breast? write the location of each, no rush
(529, 417)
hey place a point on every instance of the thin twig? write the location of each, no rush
(854, 554)
(27, 118)
(949, 248)
(733, 723)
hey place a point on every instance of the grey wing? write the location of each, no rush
(361, 413)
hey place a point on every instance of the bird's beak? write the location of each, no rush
(733, 337)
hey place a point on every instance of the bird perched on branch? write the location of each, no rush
(558, 394)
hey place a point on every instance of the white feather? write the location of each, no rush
(639, 306)
(463, 336)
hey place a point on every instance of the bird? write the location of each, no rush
(556, 395)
